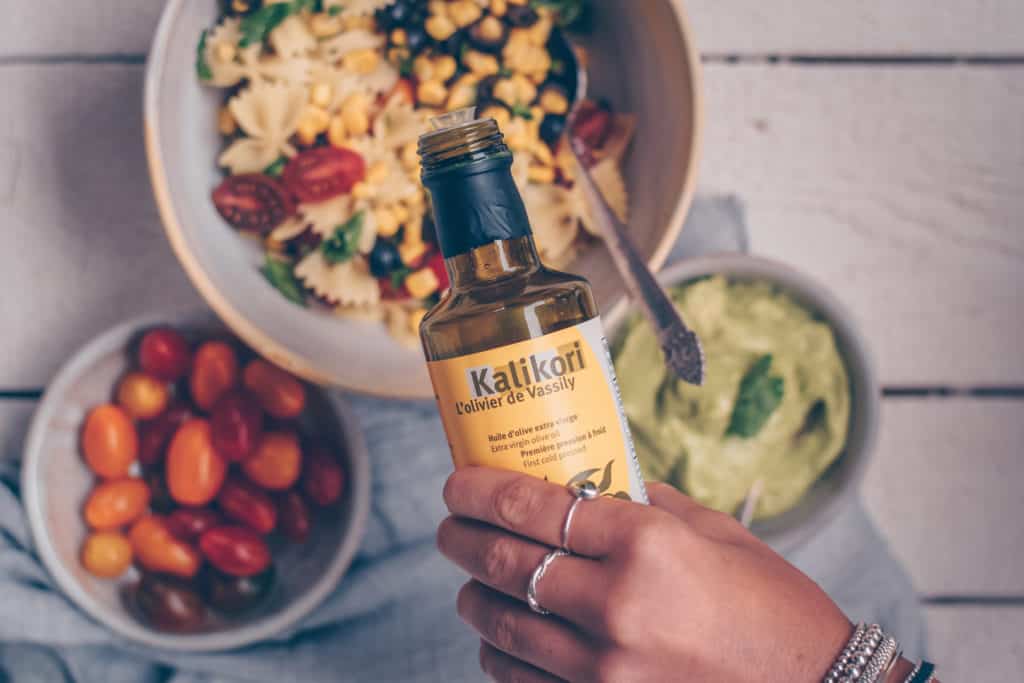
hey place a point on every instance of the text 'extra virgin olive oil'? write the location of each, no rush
(516, 352)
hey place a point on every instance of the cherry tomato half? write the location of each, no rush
(294, 516)
(253, 202)
(155, 434)
(214, 371)
(323, 479)
(195, 472)
(279, 393)
(109, 441)
(142, 396)
(236, 423)
(106, 554)
(164, 353)
(157, 549)
(235, 550)
(277, 462)
(322, 173)
(245, 503)
(189, 524)
(116, 502)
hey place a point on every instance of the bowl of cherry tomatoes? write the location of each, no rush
(189, 494)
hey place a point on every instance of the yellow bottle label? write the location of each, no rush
(548, 407)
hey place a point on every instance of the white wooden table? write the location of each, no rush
(878, 145)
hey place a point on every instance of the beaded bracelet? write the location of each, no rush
(867, 654)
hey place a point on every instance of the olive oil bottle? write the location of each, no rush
(516, 351)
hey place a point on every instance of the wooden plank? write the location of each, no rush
(858, 27)
(901, 188)
(977, 643)
(945, 490)
(85, 248)
(736, 27)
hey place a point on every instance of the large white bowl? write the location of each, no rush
(55, 483)
(643, 59)
(842, 479)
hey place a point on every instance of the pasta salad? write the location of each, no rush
(324, 101)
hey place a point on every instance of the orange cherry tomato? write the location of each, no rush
(115, 503)
(279, 393)
(106, 554)
(214, 371)
(109, 441)
(277, 462)
(158, 550)
(195, 471)
(142, 396)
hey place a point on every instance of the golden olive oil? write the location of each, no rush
(516, 352)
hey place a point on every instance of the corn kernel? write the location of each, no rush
(505, 90)
(415, 318)
(320, 94)
(410, 156)
(464, 12)
(540, 32)
(463, 93)
(543, 153)
(542, 175)
(537, 114)
(361, 190)
(323, 25)
(352, 22)
(431, 93)
(438, 7)
(423, 68)
(377, 173)
(273, 245)
(422, 283)
(361, 61)
(399, 36)
(226, 123)
(355, 113)
(315, 118)
(481, 64)
(387, 222)
(225, 52)
(306, 134)
(336, 133)
(445, 67)
(499, 114)
(411, 253)
(499, 8)
(401, 213)
(440, 27)
(526, 91)
(491, 29)
(240, 6)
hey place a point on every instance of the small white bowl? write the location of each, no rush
(642, 58)
(842, 479)
(55, 483)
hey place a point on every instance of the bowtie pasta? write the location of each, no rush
(324, 103)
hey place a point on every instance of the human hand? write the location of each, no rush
(667, 592)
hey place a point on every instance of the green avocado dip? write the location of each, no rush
(775, 405)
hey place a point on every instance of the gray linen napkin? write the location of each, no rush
(392, 618)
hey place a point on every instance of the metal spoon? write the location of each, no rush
(682, 349)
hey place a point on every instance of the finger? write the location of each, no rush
(502, 668)
(537, 509)
(506, 562)
(704, 520)
(544, 642)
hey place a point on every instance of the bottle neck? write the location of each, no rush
(493, 263)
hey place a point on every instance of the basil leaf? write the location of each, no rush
(398, 277)
(522, 111)
(276, 168)
(335, 10)
(257, 25)
(342, 245)
(202, 68)
(567, 12)
(759, 395)
(279, 274)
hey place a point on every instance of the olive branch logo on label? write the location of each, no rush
(605, 483)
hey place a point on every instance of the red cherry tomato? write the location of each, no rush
(235, 550)
(277, 462)
(322, 173)
(214, 371)
(294, 516)
(236, 424)
(194, 470)
(279, 393)
(593, 125)
(436, 264)
(248, 504)
(253, 202)
(188, 524)
(164, 353)
(155, 434)
(322, 477)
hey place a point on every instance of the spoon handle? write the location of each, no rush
(683, 352)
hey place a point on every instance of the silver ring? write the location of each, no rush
(581, 491)
(538, 574)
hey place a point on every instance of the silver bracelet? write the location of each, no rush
(867, 654)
